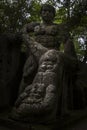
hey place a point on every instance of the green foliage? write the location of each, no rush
(60, 15)
(12, 15)
(34, 11)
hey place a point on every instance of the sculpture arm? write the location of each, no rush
(69, 48)
(67, 41)
(29, 27)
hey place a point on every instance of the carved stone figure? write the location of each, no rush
(50, 89)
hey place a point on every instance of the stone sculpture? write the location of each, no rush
(50, 90)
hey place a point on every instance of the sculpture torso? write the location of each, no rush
(46, 35)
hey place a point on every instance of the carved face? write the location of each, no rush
(47, 14)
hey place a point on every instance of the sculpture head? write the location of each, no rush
(47, 13)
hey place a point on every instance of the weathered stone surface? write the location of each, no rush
(38, 100)
(52, 89)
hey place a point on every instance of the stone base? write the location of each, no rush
(63, 123)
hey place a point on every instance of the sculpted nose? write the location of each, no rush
(47, 12)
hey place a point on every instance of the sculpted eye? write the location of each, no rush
(43, 66)
(49, 67)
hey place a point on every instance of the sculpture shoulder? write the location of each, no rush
(29, 27)
(46, 29)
